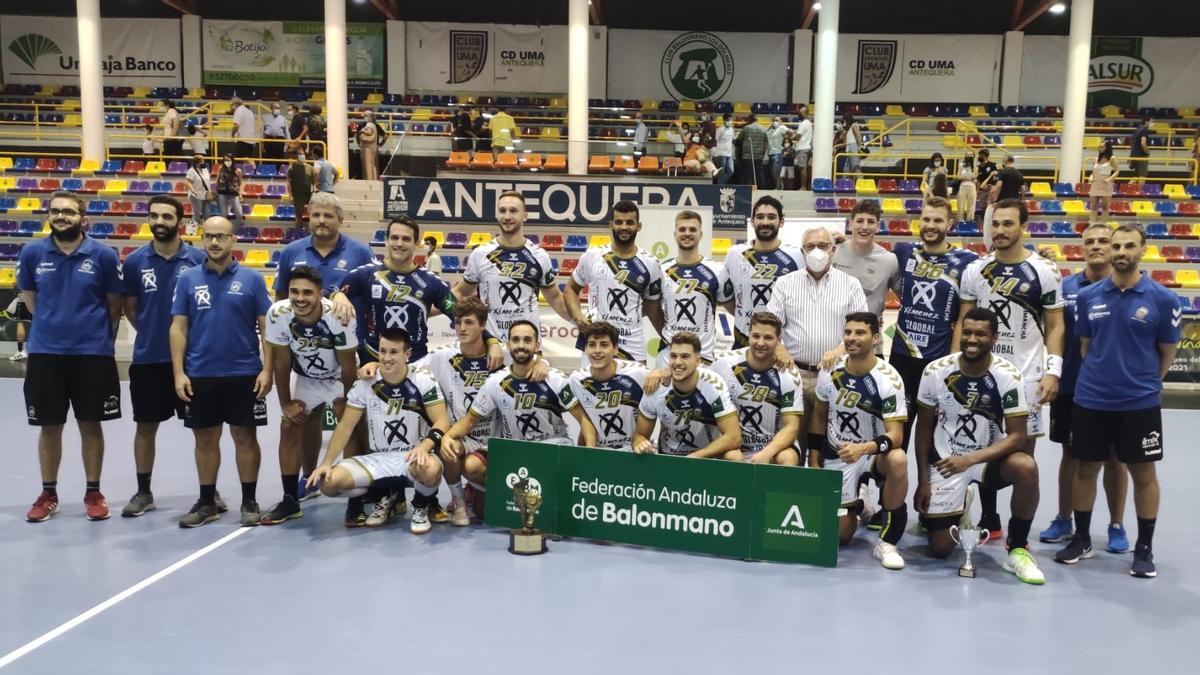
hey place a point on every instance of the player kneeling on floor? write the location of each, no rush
(406, 419)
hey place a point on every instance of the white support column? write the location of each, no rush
(577, 87)
(193, 75)
(91, 79)
(1010, 72)
(825, 77)
(336, 129)
(1079, 52)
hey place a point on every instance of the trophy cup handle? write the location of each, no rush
(954, 534)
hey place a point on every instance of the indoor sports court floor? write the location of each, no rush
(143, 596)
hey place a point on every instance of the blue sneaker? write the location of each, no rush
(1117, 541)
(1143, 565)
(302, 491)
(1060, 530)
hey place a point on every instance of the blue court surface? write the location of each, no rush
(143, 596)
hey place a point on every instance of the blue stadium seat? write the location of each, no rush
(575, 243)
(1157, 231)
(1064, 190)
(820, 185)
(110, 166)
(1062, 228)
(451, 264)
(101, 230)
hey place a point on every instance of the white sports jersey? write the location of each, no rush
(970, 410)
(611, 404)
(859, 405)
(526, 410)
(460, 378)
(753, 273)
(396, 417)
(1020, 295)
(690, 296)
(762, 397)
(689, 421)
(314, 346)
(617, 289)
(509, 281)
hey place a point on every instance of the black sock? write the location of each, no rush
(987, 503)
(291, 486)
(93, 486)
(143, 480)
(895, 521)
(208, 494)
(20, 345)
(1018, 532)
(1083, 525)
(355, 504)
(248, 491)
(50, 487)
(420, 501)
(1145, 538)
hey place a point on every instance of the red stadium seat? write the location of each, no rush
(1165, 277)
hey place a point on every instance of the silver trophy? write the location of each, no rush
(968, 535)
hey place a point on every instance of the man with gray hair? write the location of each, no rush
(245, 130)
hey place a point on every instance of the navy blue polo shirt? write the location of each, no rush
(345, 256)
(150, 278)
(70, 313)
(1071, 287)
(1120, 371)
(222, 311)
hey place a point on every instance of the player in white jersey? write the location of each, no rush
(1024, 291)
(310, 341)
(624, 283)
(522, 408)
(406, 419)
(610, 390)
(509, 272)
(755, 266)
(768, 398)
(697, 417)
(858, 426)
(970, 429)
(693, 287)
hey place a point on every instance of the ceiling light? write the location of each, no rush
(816, 6)
(1058, 8)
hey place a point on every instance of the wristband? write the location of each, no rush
(435, 435)
(884, 442)
(816, 442)
(1054, 365)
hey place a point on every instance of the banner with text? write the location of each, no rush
(918, 68)
(1129, 72)
(1186, 366)
(468, 200)
(288, 53)
(134, 52)
(697, 66)
(732, 509)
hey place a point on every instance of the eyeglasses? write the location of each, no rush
(69, 213)
(824, 246)
(216, 236)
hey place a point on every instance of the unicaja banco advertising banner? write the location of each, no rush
(134, 52)
(288, 53)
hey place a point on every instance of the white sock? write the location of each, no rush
(456, 491)
(423, 489)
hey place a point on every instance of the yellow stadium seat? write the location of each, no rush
(977, 111)
(721, 246)
(421, 115)
(1175, 191)
(1143, 208)
(1074, 207)
(1187, 113)
(558, 103)
(1196, 230)
(649, 104)
(86, 167)
(1110, 111)
(73, 120)
(270, 280)
(1091, 142)
(141, 92)
(6, 163)
(8, 277)
(195, 236)
(1153, 254)
(741, 108)
(318, 96)
(143, 233)
(46, 90)
(551, 133)
(893, 207)
(875, 124)
(599, 240)
(914, 226)
(153, 169)
(1013, 141)
(949, 141)
(687, 106)
(257, 257)
(27, 205)
(195, 93)
(262, 211)
(479, 239)
(866, 187)
(219, 107)
(438, 236)
(1041, 189)
(894, 110)
(68, 105)
(1188, 278)
(114, 187)
(44, 232)
(7, 183)
(374, 98)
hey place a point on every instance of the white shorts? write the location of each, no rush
(315, 393)
(1035, 428)
(851, 475)
(367, 469)
(947, 495)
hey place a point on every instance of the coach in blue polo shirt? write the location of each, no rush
(326, 250)
(217, 309)
(150, 273)
(72, 287)
(1128, 326)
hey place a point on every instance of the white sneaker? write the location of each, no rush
(420, 521)
(382, 513)
(888, 556)
(19, 355)
(458, 513)
(1021, 563)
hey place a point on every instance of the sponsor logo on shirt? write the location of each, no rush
(86, 267)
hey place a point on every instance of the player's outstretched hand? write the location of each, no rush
(318, 475)
(368, 370)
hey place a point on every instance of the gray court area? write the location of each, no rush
(311, 596)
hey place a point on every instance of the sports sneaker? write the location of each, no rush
(19, 355)
(876, 521)
(1078, 549)
(888, 556)
(222, 507)
(251, 514)
(383, 512)
(1021, 563)
(992, 525)
(303, 493)
(1143, 564)
(436, 513)
(200, 514)
(139, 503)
(420, 520)
(458, 513)
(1117, 541)
(477, 499)
(45, 506)
(1060, 530)
(95, 505)
(283, 511)
(355, 516)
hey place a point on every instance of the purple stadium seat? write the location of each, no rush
(843, 185)
(455, 240)
(826, 205)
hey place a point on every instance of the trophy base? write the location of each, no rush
(967, 572)
(521, 542)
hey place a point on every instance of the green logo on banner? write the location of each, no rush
(791, 523)
(697, 66)
(31, 46)
(1117, 73)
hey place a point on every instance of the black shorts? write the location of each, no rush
(224, 400)
(87, 384)
(1140, 166)
(1060, 418)
(152, 392)
(1135, 436)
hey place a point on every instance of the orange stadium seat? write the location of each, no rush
(555, 163)
(648, 164)
(506, 161)
(459, 160)
(599, 164)
(530, 161)
(482, 160)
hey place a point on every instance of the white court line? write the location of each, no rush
(148, 581)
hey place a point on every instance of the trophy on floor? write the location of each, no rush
(528, 540)
(968, 535)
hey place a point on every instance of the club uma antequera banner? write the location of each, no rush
(288, 53)
(135, 52)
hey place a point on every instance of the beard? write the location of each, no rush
(69, 234)
(164, 234)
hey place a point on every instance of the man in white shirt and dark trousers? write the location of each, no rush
(723, 152)
(803, 146)
(245, 130)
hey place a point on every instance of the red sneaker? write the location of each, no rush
(45, 506)
(96, 505)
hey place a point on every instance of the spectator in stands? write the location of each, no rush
(481, 133)
(199, 188)
(229, 191)
(315, 125)
(460, 130)
(297, 126)
(433, 261)
(675, 137)
(787, 170)
(300, 185)
(245, 129)
(775, 136)
(754, 152)
(197, 140)
(504, 131)
(275, 131)
(1007, 183)
(803, 145)
(723, 150)
(940, 187)
(171, 124)
(854, 144)
(641, 133)
(708, 131)
(697, 158)
(150, 142)
(1104, 174)
(325, 175)
(1139, 151)
(966, 188)
(370, 137)
(937, 165)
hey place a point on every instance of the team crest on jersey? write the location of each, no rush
(87, 267)
(202, 297)
(235, 288)
(341, 264)
(149, 280)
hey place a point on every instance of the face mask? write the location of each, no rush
(816, 260)
(228, 163)
(774, 125)
(275, 111)
(695, 139)
(938, 163)
(300, 157)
